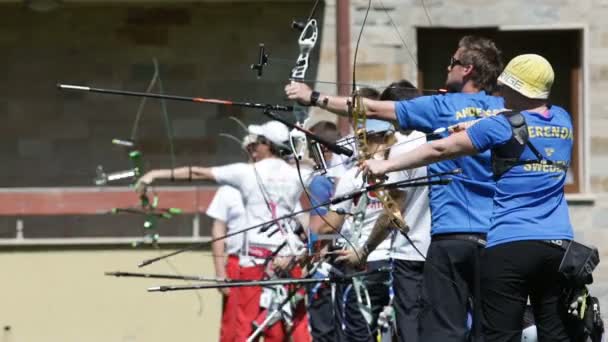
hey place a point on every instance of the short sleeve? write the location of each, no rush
(232, 174)
(490, 132)
(320, 190)
(421, 113)
(219, 207)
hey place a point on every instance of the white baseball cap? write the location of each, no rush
(271, 130)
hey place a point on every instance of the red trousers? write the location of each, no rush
(230, 307)
(249, 307)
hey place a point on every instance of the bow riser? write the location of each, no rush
(359, 121)
(306, 42)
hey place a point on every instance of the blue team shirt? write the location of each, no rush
(321, 189)
(529, 203)
(465, 205)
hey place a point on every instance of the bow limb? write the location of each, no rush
(306, 43)
(147, 206)
(150, 206)
(359, 115)
(390, 205)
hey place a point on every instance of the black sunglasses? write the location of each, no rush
(454, 62)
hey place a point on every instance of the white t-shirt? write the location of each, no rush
(337, 165)
(269, 181)
(227, 206)
(416, 201)
(417, 213)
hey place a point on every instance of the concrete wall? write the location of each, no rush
(63, 296)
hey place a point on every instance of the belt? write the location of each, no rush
(477, 238)
(563, 244)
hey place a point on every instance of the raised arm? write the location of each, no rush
(180, 173)
(300, 92)
(454, 146)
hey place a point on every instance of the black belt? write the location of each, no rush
(477, 238)
(563, 244)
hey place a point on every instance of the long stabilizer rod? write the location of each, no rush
(73, 87)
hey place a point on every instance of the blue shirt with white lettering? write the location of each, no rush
(529, 203)
(465, 205)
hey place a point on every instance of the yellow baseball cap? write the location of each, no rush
(530, 75)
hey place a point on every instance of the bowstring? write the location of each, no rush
(299, 171)
(142, 103)
(168, 128)
(351, 109)
(407, 141)
(407, 48)
(426, 11)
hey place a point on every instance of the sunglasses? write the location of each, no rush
(454, 62)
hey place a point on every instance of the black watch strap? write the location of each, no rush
(314, 97)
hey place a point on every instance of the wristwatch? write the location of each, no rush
(314, 97)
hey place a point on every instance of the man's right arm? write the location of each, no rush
(300, 92)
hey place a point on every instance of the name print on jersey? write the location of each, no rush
(550, 132)
(475, 112)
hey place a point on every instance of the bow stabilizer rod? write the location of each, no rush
(71, 87)
(292, 281)
(162, 276)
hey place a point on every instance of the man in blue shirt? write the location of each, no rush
(531, 149)
(460, 213)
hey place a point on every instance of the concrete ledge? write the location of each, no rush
(97, 200)
(581, 199)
